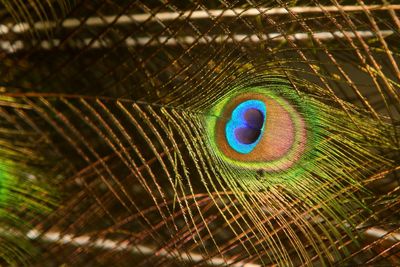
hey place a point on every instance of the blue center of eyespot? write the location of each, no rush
(246, 126)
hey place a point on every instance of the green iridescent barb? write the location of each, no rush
(21, 198)
(311, 140)
(321, 166)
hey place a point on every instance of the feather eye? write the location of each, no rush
(246, 126)
(258, 129)
(280, 134)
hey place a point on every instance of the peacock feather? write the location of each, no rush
(199, 133)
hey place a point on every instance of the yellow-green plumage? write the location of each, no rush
(122, 109)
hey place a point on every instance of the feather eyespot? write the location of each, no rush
(258, 129)
(246, 126)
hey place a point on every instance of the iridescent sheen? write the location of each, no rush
(246, 126)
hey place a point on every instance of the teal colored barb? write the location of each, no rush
(246, 126)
